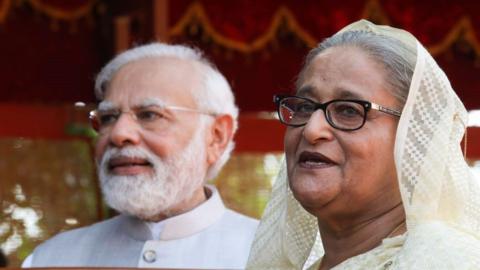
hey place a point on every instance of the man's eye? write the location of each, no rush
(108, 118)
(149, 115)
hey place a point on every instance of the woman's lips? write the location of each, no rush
(314, 160)
(129, 166)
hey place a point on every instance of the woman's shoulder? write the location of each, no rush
(439, 245)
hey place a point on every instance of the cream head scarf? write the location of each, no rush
(440, 195)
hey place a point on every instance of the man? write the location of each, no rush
(165, 122)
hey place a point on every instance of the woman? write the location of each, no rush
(374, 175)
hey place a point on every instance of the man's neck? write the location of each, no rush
(198, 197)
(341, 244)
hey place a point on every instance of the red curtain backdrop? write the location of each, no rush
(278, 34)
(51, 50)
(248, 20)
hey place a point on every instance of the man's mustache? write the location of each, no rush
(131, 156)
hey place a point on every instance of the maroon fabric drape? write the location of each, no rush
(46, 64)
(451, 29)
(246, 20)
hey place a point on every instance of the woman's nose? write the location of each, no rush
(317, 128)
(125, 131)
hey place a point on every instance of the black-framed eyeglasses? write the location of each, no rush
(342, 114)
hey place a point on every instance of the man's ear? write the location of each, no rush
(221, 133)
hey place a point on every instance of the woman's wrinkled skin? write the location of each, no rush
(347, 179)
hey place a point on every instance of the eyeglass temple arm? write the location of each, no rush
(386, 110)
(176, 108)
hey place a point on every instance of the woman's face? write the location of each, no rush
(344, 174)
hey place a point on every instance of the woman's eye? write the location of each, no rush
(304, 107)
(347, 110)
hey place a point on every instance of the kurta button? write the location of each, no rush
(149, 256)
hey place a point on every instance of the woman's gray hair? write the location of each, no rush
(214, 95)
(397, 58)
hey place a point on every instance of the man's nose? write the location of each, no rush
(125, 131)
(317, 128)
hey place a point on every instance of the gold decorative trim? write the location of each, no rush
(60, 14)
(196, 12)
(372, 10)
(462, 28)
(4, 9)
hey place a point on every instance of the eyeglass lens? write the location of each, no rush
(148, 118)
(340, 114)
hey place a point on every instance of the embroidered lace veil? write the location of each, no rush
(440, 195)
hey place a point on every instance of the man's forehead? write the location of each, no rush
(153, 79)
(158, 69)
(163, 63)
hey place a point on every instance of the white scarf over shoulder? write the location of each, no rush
(440, 195)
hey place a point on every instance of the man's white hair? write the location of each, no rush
(214, 95)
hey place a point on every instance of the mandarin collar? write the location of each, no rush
(191, 222)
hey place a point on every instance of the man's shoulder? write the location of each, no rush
(79, 234)
(104, 243)
(98, 226)
(232, 236)
(240, 220)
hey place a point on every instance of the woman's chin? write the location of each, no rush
(314, 190)
(314, 201)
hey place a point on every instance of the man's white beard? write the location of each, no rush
(174, 179)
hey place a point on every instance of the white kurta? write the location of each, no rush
(209, 236)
